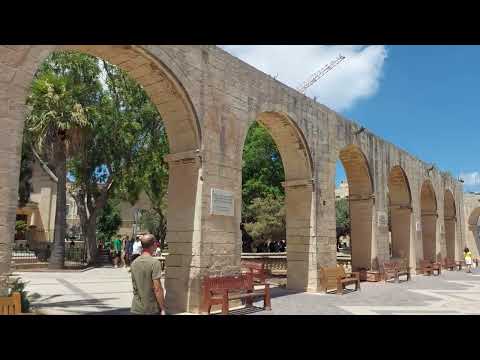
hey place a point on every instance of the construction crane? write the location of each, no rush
(320, 73)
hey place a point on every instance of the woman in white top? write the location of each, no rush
(137, 248)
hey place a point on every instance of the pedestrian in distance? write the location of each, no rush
(468, 259)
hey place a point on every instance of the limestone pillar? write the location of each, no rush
(401, 218)
(450, 237)
(183, 232)
(362, 239)
(301, 240)
(429, 229)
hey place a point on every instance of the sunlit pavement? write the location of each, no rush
(106, 291)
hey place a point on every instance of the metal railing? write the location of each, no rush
(276, 263)
(40, 253)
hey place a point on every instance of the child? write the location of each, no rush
(468, 259)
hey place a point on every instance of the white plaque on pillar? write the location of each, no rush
(222, 203)
(419, 226)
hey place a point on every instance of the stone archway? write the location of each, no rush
(361, 203)
(428, 205)
(299, 195)
(18, 65)
(400, 211)
(473, 228)
(450, 220)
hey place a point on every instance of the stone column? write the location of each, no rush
(12, 105)
(301, 240)
(401, 218)
(429, 229)
(362, 239)
(183, 232)
(450, 236)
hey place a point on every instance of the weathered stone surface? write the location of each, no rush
(208, 99)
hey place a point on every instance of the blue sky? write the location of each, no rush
(428, 103)
(424, 99)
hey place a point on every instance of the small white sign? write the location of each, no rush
(419, 226)
(222, 203)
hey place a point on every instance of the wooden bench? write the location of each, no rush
(395, 269)
(219, 290)
(449, 264)
(427, 267)
(336, 278)
(256, 270)
(11, 305)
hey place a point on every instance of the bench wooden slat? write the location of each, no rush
(221, 289)
(394, 269)
(336, 278)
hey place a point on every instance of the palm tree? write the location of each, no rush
(54, 125)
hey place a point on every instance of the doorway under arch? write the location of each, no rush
(400, 206)
(298, 186)
(361, 203)
(450, 220)
(473, 227)
(428, 205)
(170, 96)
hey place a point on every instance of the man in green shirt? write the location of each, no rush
(117, 251)
(148, 297)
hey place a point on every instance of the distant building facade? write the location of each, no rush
(342, 191)
(39, 212)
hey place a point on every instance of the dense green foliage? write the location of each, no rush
(108, 221)
(62, 95)
(112, 136)
(342, 217)
(262, 171)
(263, 195)
(269, 219)
(25, 181)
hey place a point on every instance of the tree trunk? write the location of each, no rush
(88, 224)
(57, 258)
(91, 239)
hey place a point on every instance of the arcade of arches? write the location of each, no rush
(207, 99)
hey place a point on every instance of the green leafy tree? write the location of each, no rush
(54, 123)
(108, 221)
(25, 180)
(269, 215)
(342, 217)
(263, 196)
(262, 171)
(156, 224)
(121, 135)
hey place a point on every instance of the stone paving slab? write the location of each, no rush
(109, 291)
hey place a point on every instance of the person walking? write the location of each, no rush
(468, 259)
(125, 254)
(117, 251)
(137, 248)
(148, 296)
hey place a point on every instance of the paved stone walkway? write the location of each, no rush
(108, 291)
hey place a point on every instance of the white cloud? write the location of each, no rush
(471, 180)
(356, 78)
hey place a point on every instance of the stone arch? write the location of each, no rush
(18, 65)
(428, 206)
(400, 205)
(450, 220)
(473, 227)
(361, 202)
(299, 192)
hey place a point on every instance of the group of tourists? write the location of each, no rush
(264, 247)
(125, 251)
